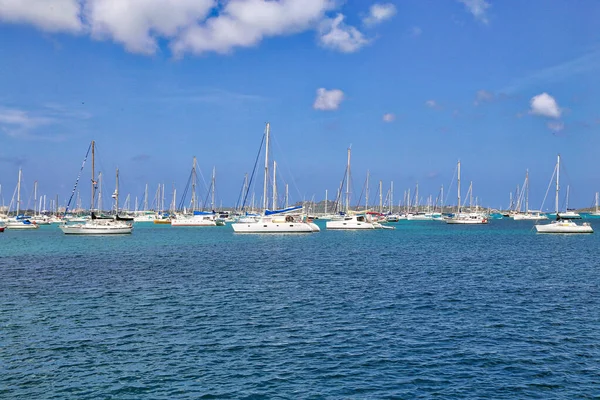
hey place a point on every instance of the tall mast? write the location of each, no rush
(391, 197)
(274, 205)
(527, 192)
(442, 200)
(212, 196)
(194, 185)
(19, 193)
(93, 175)
(348, 182)
(100, 192)
(162, 208)
(471, 194)
(146, 198)
(117, 194)
(557, 183)
(380, 196)
(56, 205)
(367, 192)
(417, 198)
(266, 178)
(326, 201)
(458, 184)
(34, 198)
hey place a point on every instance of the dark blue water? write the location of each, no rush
(428, 310)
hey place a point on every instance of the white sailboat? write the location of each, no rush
(351, 221)
(528, 214)
(562, 225)
(462, 218)
(275, 221)
(20, 221)
(596, 212)
(97, 225)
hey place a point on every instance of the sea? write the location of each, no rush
(427, 310)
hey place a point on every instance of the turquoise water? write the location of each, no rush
(426, 310)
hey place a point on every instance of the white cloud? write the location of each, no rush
(328, 100)
(431, 103)
(19, 123)
(48, 15)
(389, 117)
(477, 8)
(555, 126)
(545, 105)
(137, 23)
(192, 26)
(244, 23)
(379, 13)
(40, 123)
(334, 34)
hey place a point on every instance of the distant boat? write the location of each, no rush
(98, 225)
(562, 225)
(463, 218)
(20, 221)
(528, 214)
(287, 220)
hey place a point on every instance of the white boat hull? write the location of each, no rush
(564, 227)
(191, 222)
(275, 227)
(349, 225)
(529, 217)
(459, 221)
(20, 225)
(92, 229)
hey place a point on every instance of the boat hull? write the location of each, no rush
(466, 221)
(564, 227)
(275, 227)
(349, 225)
(96, 229)
(21, 226)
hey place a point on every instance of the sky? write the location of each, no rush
(412, 86)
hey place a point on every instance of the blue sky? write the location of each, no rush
(413, 86)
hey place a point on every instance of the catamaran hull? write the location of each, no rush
(564, 228)
(96, 230)
(275, 227)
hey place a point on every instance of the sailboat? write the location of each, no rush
(528, 214)
(470, 218)
(352, 221)
(197, 218)
(96, 225)
(20, 221)
(596, 212)
(562, 225)
(275, 221)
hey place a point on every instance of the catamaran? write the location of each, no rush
(562, 225)
(287, 220)
(96, 225)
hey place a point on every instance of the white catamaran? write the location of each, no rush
(275, 221)
(562, 225)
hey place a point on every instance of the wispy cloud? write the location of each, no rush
(38, 124)
(389, 117)
(433, 104)
(584, 64)
(205, 95)
(478, 8)
(17, 161)
(415, 31)
(378, 13)
(483, 96)
(336, 35)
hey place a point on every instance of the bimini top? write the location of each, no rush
(271, 212)
(204, 212)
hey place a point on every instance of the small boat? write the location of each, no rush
(461, 218)
(352, 222)
(561, 225)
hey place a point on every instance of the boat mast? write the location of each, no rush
(274, 204)
(557, 183)
(326, 201)
(596, 202)
(442, 200)
(117, 194)
(527, 192)
(367, 193)
(348, 181)
(380, 196)
(93, 175)
(146, 198)
(100, 192)
(417, 198)
(458, 184)
(34, 198)
(391, 197)
(266, 178)
(194, 185)
(212, 196)
(19, 193)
